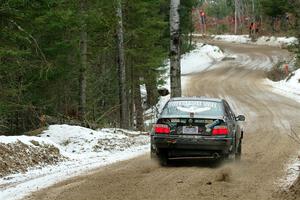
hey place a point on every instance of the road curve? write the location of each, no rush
(266, 147)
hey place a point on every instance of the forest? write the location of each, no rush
(59, 58)
(53, 53)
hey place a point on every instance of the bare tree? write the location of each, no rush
(239, 12)
(253, 10)
(83, 58)
(124, 110)
(175, 72)
(235, 16)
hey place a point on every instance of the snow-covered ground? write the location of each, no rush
(263, 40)
(84, 149)
(289, 87)
(292, 173)
(200, 59)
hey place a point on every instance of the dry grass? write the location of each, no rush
(19, 157)
(36, 132)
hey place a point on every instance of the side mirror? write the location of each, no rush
(240, 118)
(163, 92)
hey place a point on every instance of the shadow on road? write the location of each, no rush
(202, 163)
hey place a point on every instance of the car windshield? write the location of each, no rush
(198, 108)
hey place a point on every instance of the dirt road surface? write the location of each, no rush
(266, 147)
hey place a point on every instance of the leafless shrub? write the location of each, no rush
(277, 73)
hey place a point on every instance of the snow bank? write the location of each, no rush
(263, 40)
(289, 87)
(292, 174)
(77, 142)
(276, 41)
(84, 149)
(27, 140)
(243, 39)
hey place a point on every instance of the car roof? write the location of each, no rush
(196, 99)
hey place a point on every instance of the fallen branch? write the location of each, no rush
(38, 49)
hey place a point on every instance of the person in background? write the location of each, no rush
(250, 29)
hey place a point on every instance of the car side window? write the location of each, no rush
(227, 112)
(231, 115)
(231, 111)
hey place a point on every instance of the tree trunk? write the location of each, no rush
(151, 89)
(138, 107)
(175, 72)
(297, 16)
(253, 10)
(124, 122)
(131, 95)
(83, 60)
(236, 13)
(241, 14)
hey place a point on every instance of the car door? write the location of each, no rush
(230, 118)
(236, 127)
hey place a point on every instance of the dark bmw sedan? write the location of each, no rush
(197, 127)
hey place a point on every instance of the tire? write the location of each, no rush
(163, 158)
(152, 154)
(238, 154)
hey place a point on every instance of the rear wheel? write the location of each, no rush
(152, 153)
(238, 154)
(163, 158)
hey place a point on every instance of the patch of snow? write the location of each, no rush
(290, 88)
(201, 58)
(276, 41)
(156, 110)
(263, 40)
(292, 173)
(25, 139)
(143, 90)
(85, 149)
(243, 39)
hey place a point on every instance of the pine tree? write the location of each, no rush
(45, 46)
